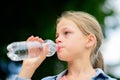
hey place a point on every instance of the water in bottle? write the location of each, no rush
(18, 51)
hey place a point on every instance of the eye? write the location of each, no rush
(67, 32)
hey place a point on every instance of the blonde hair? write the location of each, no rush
(88, 24)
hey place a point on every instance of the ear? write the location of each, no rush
(91, 40)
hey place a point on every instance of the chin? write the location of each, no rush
(61, 57)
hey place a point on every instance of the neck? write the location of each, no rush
(81, 69)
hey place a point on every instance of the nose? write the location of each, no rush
(58, 39)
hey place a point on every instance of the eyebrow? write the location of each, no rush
(63, 29)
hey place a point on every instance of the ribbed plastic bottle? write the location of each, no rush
(18, 51)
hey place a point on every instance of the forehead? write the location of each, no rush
(66, 24)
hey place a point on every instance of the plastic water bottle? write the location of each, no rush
(18, 51)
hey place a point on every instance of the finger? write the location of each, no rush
(44, 52)
(39, 39)
(46, 49)
(30, 38)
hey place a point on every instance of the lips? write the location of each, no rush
(59, 47)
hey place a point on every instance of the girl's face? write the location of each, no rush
(70, 41)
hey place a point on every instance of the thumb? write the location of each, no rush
(46, 49)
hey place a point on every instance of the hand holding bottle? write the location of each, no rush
(41, 52)
(31, 64)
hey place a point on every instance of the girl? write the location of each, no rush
(78, 39)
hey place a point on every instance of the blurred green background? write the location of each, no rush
(23, 18)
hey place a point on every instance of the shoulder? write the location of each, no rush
(56, 77)
(101, 75)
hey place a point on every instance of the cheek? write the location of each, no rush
(76, 47)
(73, 48)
